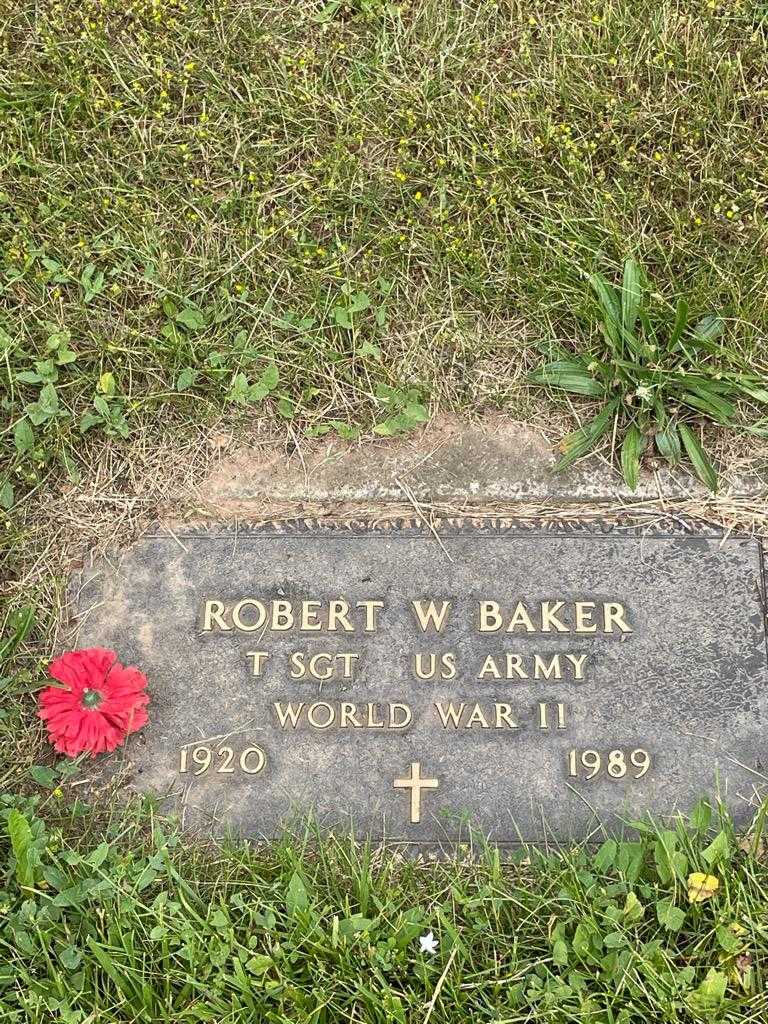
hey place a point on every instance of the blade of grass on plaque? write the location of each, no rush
(700, 461)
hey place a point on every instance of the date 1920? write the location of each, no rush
(588, 764)
(223, 760)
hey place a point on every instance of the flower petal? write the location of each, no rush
(81, 669)
(74, 728)
(701, 887)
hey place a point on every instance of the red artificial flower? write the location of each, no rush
(100, 703)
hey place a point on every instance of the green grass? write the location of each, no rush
(117, 926)
(207, 204)
(339, 216)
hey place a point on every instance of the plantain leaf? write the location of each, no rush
(709, 328)
(569, 375)
(631, 298)
(710, 404)
(20, 835)
(634, 442)
(758, 394)
(668, 443)
(649, 331)
(681, 321)
(24, 437)
(700, 461)
(708, 386)
(609, 304)
(581, 441)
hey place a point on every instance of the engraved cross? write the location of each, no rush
(415, 783)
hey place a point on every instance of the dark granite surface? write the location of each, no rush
(688, 685)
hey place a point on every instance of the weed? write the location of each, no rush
(657, 381)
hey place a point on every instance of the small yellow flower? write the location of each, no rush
(701, 887)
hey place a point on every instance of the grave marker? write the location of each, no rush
(529, 680)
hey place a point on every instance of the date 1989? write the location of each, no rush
(588, 764)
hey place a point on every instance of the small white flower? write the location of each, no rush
(644, 392)
(428, 943)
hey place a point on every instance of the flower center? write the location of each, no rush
(92, 698)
